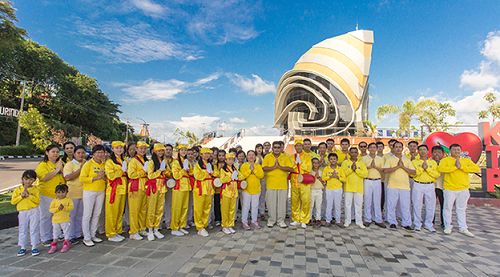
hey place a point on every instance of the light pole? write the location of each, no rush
(18, 134)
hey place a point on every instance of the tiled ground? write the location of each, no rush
(279, 252)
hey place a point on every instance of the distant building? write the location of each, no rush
(326, 92)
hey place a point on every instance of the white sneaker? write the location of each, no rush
(88, 243)
(184, 231)
(158, 235)
(303, 225)
(294, 224)
(203, 233)
(447, 231)
(282, 225)
(232, 230)
(346, 225)
(361, 226)
(96, 240)
(136, 236)
(151, 236)
(226, 231)
(120, 237)
(114, 239)
(177, 233)
(466, 232)
(430, 229)
(143, 233)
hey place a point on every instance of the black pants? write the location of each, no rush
(440, 197)
(217, 214)
(382, 196)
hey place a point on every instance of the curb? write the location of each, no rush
(21, 157)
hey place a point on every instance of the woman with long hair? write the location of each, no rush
(116, 191)
(138, 176)
(69, 150)
(49, 172)
(71, 174)
(259, 156)
(130, 151)
(203, 191)
(155, 191)
(229, 194)
(252, 173)
(182, 169)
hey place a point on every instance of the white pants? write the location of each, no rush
(75, 230)
(262, 198)
(358, 207)
(459, 198)
(29, 223)
(423, 193)
(250, 203)
(333, 203)
(92, 207)
(45, 218)
(372, 197)
(101, 225)
(167, 215)
(316, 203)
(59, 229)
(401, 197)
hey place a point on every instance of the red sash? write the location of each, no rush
(133, 185)
(151, 186)
(198, 184)
(227, 184)
(114, 184)
(178, 182)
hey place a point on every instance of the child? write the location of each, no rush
(316, 191)
(252, 173)
(27, 198)
(228, 194)
(60, 209)
(333, 175)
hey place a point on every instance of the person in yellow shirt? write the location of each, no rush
(252, 173)
(116, 192)
(182, 170)
(413, 153)
(333, 175)
(300, 192)
(343, 152)
(71, 174)
(456, 185)
(423, 189)
(330, 146)
(60, 208)
(385, 179)
(355, 171)
(138, 176)
(203, 191)
(398, 169)
(49, 172)
(266, 148)
(155, 191)
(93, 178)
(307, 148)
(316, 191)
(277, 166)
(363, 147)
(26, 198)
(437, 156)
(229, 177)
(373, 187)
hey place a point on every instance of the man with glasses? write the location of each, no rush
(363, 147)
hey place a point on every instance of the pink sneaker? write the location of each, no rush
(66, 246)
(246, 227)
(256, 225)
(53, 247)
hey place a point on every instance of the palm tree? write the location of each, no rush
(371, 128)
(191, 137)
(493, 110)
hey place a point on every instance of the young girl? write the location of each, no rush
(229, 194)
(60, 208)
(116, 191)
(182, 169)
(316, 191)
(252, 173)
(155, 191)
(93, 178)
(203, 191)
(49, 172)
(26, 198)
(136, 195)
(71, 174)
(333, 176)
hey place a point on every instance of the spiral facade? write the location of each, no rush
(326, 92)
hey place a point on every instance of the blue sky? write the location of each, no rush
(207, 65)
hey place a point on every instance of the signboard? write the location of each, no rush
(10, 112)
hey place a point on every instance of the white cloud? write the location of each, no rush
(118, 43)
(254, 85)
(262, 130)
(195, 122)
(237, 120)
(149, 7)
(491, 48)
(468, 107)
(162, 89)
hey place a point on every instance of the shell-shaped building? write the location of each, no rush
(326, 92)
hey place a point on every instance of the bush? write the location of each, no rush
(22, 150)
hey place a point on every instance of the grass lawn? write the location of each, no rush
(5, 206)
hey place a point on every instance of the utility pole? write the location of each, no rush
(126, 132)
(18, 134)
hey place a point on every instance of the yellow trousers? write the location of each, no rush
(301, 203)
(114, 215)
(228, 211)
(137, 211)
(155, 204)
(179, 211)
(201, 209)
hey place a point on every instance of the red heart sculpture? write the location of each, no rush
(471, 144)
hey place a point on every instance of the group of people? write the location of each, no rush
(71, 198)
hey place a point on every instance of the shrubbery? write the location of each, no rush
(22, 150)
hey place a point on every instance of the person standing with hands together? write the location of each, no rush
(373, 187)
(355, 171)
(61, 208)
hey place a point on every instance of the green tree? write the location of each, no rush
(33, 121)
(493, 111)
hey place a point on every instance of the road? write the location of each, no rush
(11, 171)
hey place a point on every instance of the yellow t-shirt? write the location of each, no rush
(333, 183)
(398, 179)
(114, 171)
(61, 216)
(454, 178)
(252, 177)
(417, 156)
(372, 172)
(354, 180)
(28, 203)
(48, 188)
(75, 187)
(90, 170)
(277, 179)
(342, 156)
(428, 175)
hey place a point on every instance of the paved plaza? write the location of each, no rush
(317, 251)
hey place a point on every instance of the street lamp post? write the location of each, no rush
(18, 134)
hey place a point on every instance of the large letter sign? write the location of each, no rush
(491, 141)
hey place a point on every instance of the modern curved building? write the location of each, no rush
(326, 92)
